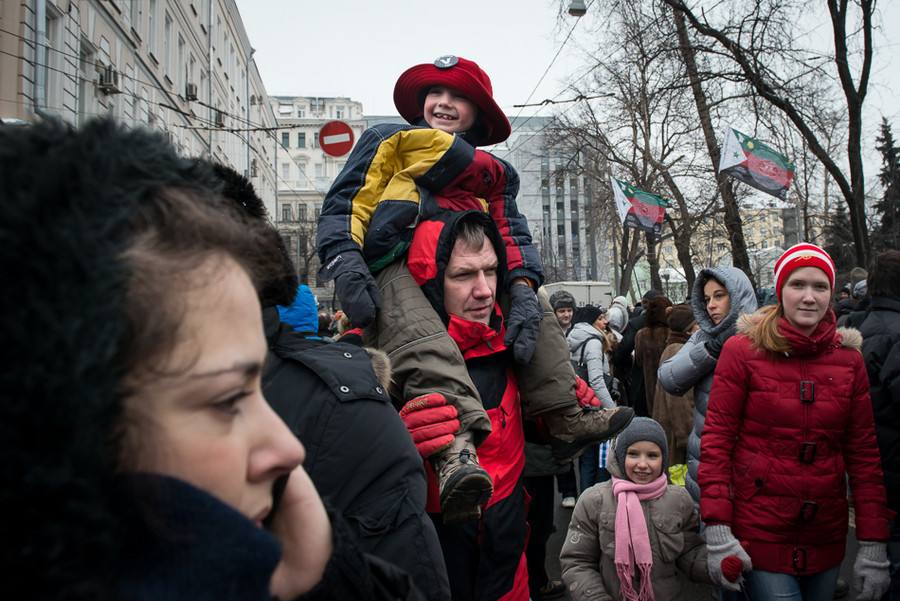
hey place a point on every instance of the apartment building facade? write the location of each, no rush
(183, 67)
(304, 172)
(572, 244)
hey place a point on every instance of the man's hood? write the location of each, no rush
(432, 245)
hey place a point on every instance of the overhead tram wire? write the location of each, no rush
(547, 70)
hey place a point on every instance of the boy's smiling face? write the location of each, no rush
(448, 110)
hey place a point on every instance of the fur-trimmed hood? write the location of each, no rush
(381, 364)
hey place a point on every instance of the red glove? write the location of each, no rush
(585, 394)
(732, 568)
(432, 423)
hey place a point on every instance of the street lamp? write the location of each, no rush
(577, 8)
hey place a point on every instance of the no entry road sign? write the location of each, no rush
(336, 138)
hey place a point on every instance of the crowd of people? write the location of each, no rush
(182, 420)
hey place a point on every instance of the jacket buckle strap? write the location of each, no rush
(808, 452)
(807, 391)
(808, 511)
(799, 560)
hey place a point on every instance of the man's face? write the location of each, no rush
(470, 282)
(564, 316)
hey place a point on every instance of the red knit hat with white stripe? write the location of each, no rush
(802, 255)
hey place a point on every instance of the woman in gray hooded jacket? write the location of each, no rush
(719, 296)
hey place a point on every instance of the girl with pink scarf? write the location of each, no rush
(629, 536)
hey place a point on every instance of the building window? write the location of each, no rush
(301, 112)
(136, 16)
(151, 27)
(285, 139)
(301, 212)
(167, 43)
(180, 66)
(192, 69)
(318, 212)
(667, 250)
(53, 73)
(339, 112)
(545, 166)
(320, 171)
(285, 171)
(285, 212)
(301, 140)
(315, 140)
(762, 231)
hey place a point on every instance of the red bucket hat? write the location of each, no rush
(462, 75)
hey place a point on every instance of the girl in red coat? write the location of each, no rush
(789, 419)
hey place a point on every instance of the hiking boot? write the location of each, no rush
(464, 485)
(574, 429)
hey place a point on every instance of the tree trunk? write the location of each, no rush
(754, 74)
(739, 256)
(653, 261)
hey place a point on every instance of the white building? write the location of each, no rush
(181, 66)
(304, 172)
(556, 204)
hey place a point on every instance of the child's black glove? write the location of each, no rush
(354, 286)
(524, 322)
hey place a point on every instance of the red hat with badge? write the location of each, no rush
(461, 75)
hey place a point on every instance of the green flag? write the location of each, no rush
(752, 162)
(639, 209)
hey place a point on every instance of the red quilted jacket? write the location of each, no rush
(781, 433)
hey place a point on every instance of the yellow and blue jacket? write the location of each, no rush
(399, 174)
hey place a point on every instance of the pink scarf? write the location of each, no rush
(632, 539)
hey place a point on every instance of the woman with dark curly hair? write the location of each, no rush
(141, 460)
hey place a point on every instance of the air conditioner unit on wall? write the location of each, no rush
(220, 119)
(190, 92)
(109, 80)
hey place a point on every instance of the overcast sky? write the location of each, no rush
(358, 48)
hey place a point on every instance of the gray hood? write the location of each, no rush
(736, 282)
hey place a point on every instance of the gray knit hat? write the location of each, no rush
(562, 298)
(641, 428)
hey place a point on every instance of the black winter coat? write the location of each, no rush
(881, 352)
(185, 545)
(359, 453)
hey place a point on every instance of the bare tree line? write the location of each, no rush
(673, 75)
